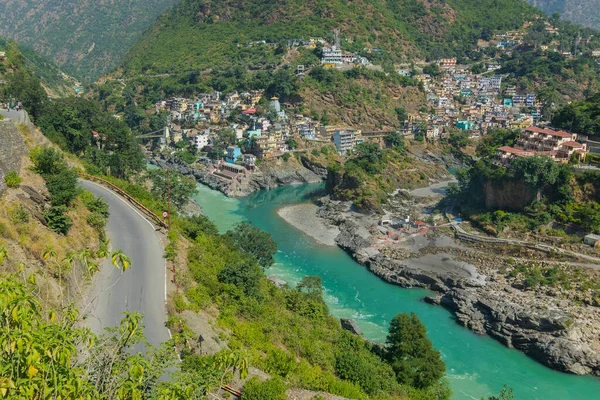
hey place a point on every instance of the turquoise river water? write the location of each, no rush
(476, 365)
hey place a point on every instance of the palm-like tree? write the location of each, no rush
(120, 260)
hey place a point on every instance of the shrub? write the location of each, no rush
(47, 160)
(12, 179)
(19, 215)
(286, 157)
(57, 220)
(271, 389)
(95, 204)
(63, 187)
(97, 221)
(315, 152)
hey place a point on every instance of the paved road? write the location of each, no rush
(142, 287)
(17, 116)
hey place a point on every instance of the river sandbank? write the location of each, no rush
(304, 217)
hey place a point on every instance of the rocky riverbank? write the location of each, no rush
(270, 174)
(561, 333)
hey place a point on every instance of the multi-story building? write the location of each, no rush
(345, 140)
(559, 145)
(332, 55)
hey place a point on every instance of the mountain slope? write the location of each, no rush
(198, 34)
(20, 59)
(88, 37)
(582, 12)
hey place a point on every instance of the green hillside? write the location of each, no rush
(199, 34)
(86, 37)
(20, 59)
(582, 12)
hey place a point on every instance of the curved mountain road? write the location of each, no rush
(142, 288)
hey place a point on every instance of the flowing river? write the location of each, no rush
(476, 365)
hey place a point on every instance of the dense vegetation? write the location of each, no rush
(289, 333)
(20, 59)
(581, 12)
(370, 174)
(196, 35)
(580, 117)
(562, 202)
(86, 37)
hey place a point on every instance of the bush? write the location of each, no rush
(19, 215)
(97, 221)
(286, 156)
(96, 205)
(271, 389)
(57, 220)
(245, 275)
(47, 161)
(12, 179)
(63, 187)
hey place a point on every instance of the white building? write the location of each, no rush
(201, 141)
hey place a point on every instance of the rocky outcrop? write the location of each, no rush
(509, 195)
(316, 168)
(351, 326)
(199, 174)
(276, 172)
(12, 148)
(544, 334)
(269, 175)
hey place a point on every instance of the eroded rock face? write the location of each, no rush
(351, 326)
(544, 332)
(541, 334)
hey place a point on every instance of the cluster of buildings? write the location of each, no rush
(208, 108)
(461, 100)
(559, 145)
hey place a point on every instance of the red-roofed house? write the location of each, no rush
(559, 145)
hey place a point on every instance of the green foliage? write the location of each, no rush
(411, 354)
(254, 242)
(20, 86)
(394, 140)
(109, 31)
(195, 225)
(47, 160)
(70, 123)
(63, 187)
(286, 157)
(19, 215)
(58, 220)
(12, 179)
(538, 171)
(176, 186)
(505, 394)
(494, 139)
(271, 389)
(245, 275)
(581, 117)
(459, 140)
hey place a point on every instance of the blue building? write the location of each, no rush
(233, 153)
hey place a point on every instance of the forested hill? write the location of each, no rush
(21, 60)
(582, 12)
(89, 37)
(198, 34)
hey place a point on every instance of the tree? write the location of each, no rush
(27, 89)
(411, 354)
(401, 114)
(505, 394)
(538, 171)
(459, 140)
(255, 242)
(312, 286)
(57, 220)
(246, 275)
(63, 187)
(181, 188)
(394, 140)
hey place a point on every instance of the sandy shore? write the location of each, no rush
(304, 217)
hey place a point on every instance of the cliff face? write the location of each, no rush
(12, 148)
(510, 195)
